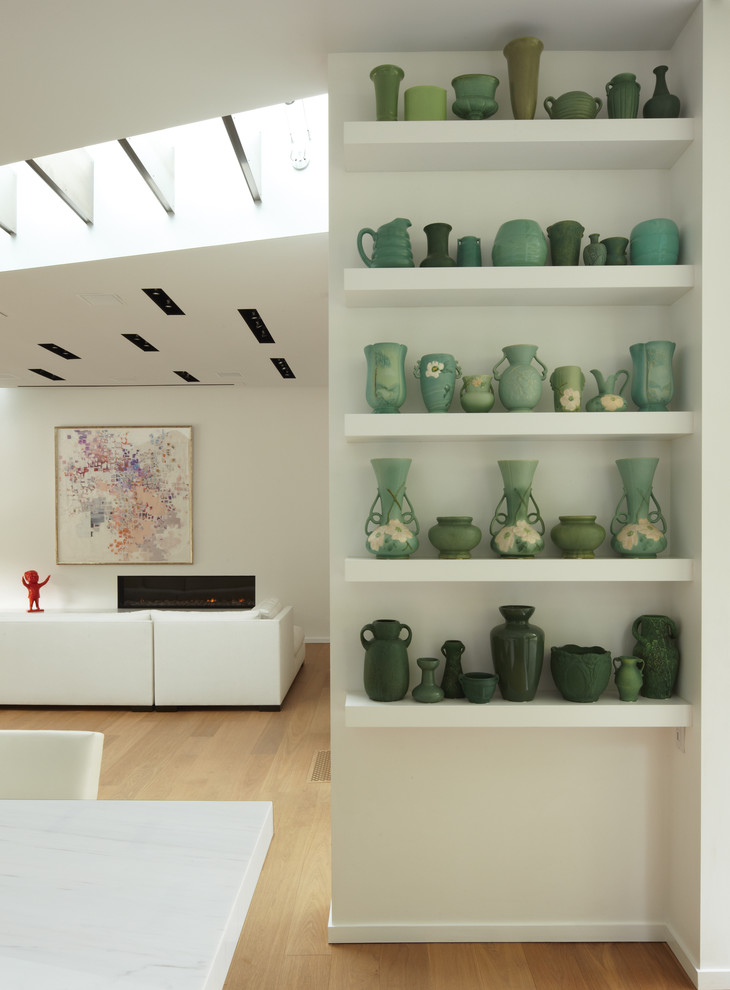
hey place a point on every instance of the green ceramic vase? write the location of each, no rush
(652, 383)
(515, 530)
(628, 677)
(437, 246)
(479, 686)
(523, 69)
(616, 250)
(392, 530)
(657, 644)
(637, 530)
(567, 383)
(519, 244)
(578, 537)
(622, 95)
(654, 242)
(609, 398)
(469, 252)
(520, 385)
(565, 237)
(474, 96)
(452, 651)
(594, 253)
(573, 105)
(385, 390)
(580, 673)
(476, 395)
(518, 649)
(437, 374)
(662, 103)
(391, 245)
(386, 673)
(386, 79)
(428, 692)
(454, 537)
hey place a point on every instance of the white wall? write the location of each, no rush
(259, 490)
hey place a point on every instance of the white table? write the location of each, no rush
(134, 895)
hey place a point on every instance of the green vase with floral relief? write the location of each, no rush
(392, 530)
(637, 529)
(517, 530)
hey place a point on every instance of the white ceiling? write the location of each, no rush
(84, 72)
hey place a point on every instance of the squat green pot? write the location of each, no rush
(581, 673)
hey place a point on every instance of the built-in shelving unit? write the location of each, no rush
(546, 711)
(539, 569)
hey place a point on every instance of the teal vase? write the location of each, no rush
(637, 529)
(657, 645)
(662, 103)
(452, 651)
(519, 243)
(387, 80)
(516, 531)
(654, 242)
(437, 374)
(518, 649)
(628, 677)
(567, 382)
(428, 692)
(580, 673)
(520, 385)
(476, 395)
(474, 93)
(385, 389)
(437, 246)
(652, 383)
(565, 237)
(392, 530)
(386, 674)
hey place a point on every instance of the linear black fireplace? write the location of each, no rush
(191, 591)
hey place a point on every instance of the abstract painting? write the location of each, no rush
(124, 495)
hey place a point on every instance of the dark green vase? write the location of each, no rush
(581, 673)
(658, 647)
(452, 651)
(662, 103)
(517, 653)
(565, 237)
(386, 674)
(594, 253)
(437, 246)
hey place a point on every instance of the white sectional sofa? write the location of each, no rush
(145, 659)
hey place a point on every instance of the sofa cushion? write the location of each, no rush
(269, 607)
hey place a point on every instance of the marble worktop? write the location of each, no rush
(134, 895)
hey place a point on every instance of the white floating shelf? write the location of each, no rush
(502, 570)
(457, 425)
(546, 711)
(579, 285)
(495, 145)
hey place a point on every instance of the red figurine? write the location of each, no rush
(31, 582)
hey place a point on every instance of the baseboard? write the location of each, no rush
(703, 979)
(615, 932)
(316, 639)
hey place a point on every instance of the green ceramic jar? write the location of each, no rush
(658, 646)
(428, 692)
(479, 687)
(386, 674)
(581, 673)
(628, 677)
(454, 537)
(519, 243)
(578, 536)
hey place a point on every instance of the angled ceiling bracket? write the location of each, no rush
(251, 163)
(70, 175)
(156, 164)
(8, 200)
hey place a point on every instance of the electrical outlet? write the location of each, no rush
(679, 738)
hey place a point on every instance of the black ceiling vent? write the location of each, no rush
(257, 326)
(134, 338)
(60, 352)
(283, 368)
(46, 374)
(161, 298)
(186, 376)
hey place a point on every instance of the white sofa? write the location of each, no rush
(225, 658)
(145, 659)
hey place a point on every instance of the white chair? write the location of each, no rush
(45, 764)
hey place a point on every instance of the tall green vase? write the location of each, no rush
(387, 80)
(634, 529)
(437, 246)
(516, 531)
(518, 650)
(658, 646)
(662, 103)
(523, 70)
(386, 674)
(385, 389)
(391, 531)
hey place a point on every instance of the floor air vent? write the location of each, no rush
(320, 768)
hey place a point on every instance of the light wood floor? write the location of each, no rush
(248, 756)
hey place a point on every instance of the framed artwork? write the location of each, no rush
(124, 495)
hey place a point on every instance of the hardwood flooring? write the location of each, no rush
(222, 755)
